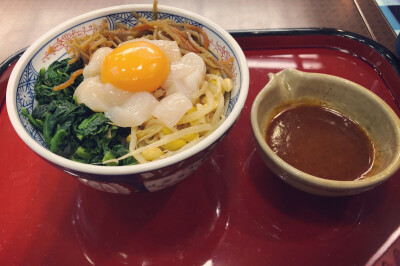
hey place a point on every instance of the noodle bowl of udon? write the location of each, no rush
(164, 86)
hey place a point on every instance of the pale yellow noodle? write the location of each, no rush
(166, 139)
(133, 142)
(187, 146)
(220, 108)
(201, 112)
(202, 90)
(139, 158)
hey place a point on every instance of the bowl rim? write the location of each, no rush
(314, 181)
(128, 169)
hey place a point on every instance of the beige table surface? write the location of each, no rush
(23, 21)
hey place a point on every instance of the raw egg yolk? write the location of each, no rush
(136, 66)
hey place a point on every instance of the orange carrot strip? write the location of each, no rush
(178, 32)
(184, 41)
(202, 32)
(69, 81)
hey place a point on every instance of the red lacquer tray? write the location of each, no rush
(232, 211)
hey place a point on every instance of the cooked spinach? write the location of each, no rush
(72, 130)
(57, 73)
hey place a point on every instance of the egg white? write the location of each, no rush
(130, 109)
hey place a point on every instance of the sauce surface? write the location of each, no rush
(320, 141)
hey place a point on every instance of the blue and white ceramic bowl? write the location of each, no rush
(122, 179)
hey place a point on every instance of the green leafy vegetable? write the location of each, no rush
(93, 125)
(36, 123)
(57, 73)
(72, 130)
(59, 141)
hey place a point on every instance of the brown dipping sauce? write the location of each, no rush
(320, 141)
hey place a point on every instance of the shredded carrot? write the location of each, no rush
(184, 40)
(69, 81)
(202, 32)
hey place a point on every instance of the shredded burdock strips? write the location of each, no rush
(190, 38)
